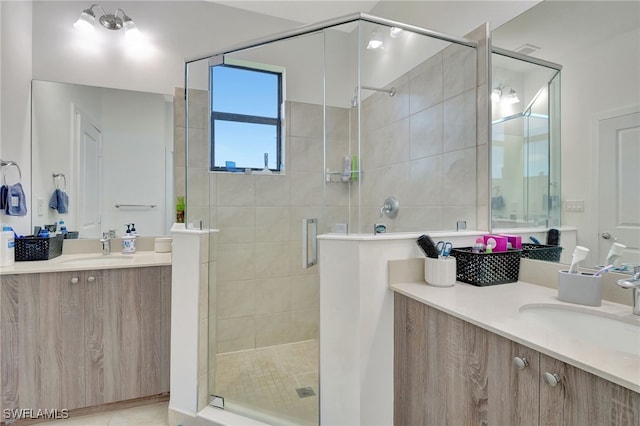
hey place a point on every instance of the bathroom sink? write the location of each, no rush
(590, 326)
(99, 260)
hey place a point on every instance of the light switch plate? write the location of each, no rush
(575, 205)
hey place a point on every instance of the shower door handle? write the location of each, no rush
(309, 242)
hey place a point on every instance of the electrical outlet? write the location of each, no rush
(575, 205)
(40, 206)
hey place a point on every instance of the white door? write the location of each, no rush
(619, 186)
(89, 178)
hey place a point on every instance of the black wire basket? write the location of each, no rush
(38, 248)
(484, 269)
(541, 252)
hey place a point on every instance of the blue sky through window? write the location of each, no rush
(251, 95)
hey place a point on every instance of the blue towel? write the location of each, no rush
(4, 190)
(59, 201)
(16, 201)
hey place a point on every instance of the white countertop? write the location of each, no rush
(89, 261)
(496, 309)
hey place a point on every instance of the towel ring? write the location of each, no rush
(5, 165)
(56, 180)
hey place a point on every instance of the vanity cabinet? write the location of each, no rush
(448, 372)
(84, 338)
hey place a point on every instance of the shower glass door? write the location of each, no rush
(313, 129)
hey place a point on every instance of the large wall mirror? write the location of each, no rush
(598, 46)
(109, 151)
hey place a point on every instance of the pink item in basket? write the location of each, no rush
(515, 240)
(501, 242)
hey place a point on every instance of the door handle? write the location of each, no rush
(608, 236)
(309, 242)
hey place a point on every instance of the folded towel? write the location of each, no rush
(63, 201)
(4, 190)
(16, 201)
(497, 203)
(59, 201)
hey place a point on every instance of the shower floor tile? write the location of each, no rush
(266, 380)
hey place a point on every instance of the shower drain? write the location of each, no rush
(305, 392)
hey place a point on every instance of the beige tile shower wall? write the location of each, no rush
(265, 297)
(420, 146)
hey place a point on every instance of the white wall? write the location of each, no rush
(134, 133)
(15, 79)
(591, 85)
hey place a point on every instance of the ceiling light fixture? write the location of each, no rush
(375, 42)
(511, 97)
(504, 96)
(111, 21)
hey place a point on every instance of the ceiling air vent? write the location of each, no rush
(527, 49)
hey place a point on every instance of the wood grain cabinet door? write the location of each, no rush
(43, 354)
(581, 398)
(135, 333)
(79, 339)
(513, 391)
(450, 372)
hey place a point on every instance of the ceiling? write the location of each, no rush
(303, 11)
(560, 28)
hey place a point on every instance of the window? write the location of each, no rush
(245, 118)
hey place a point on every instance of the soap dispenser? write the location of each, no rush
(128, 241)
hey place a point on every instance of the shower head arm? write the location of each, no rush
(391, 91)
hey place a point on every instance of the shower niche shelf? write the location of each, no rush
(336, 176)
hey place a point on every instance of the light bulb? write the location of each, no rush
(86, 21)
(375, 42)
(395, 32)
(495, 95)
(131, 31)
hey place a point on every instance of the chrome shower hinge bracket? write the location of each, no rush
(217, 402)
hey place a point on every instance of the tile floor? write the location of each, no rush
(146, 415)
(269, 380)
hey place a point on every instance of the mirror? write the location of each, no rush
(109, 151)
(597, 44)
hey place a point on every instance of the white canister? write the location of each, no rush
(440, 272)
(162, 244)
(7, 246)
(128, 244)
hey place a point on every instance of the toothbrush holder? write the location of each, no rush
(580, 288)
(440, 272)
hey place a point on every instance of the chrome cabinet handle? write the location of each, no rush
(74, 280)
(551, 379)
(91, 279)
(520, 363)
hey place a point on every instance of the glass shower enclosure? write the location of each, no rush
(525, 149)
(366, 108)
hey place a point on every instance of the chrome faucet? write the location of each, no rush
(106, 243)
(634, 285)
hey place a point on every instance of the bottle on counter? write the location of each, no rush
(63, 228)
(7, 246)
